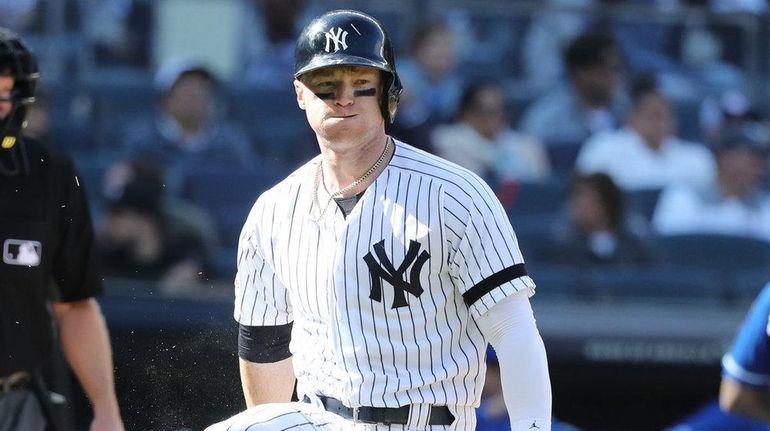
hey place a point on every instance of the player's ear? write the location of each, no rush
(298, 91)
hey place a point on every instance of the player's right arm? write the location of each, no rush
(745, 387)
(266, 383)
(263, 311)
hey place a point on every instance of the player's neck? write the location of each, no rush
(342, 168)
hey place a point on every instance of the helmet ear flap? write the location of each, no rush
(391, 95)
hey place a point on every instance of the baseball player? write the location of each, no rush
(746, 367)
(376, 274)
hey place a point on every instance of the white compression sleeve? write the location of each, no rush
(510, 328)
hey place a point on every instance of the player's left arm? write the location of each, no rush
(510, 328)
(86, 346)
(491, 275)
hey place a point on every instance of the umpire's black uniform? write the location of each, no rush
(46, 237)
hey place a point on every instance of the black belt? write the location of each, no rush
(439, 415)
(15, 381)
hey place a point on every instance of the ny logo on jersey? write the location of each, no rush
(384, 270)
(339, 39)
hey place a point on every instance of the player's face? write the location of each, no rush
(342, 103)
(6, 86)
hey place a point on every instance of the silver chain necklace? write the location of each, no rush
(349, 187)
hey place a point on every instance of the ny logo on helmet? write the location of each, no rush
(339, 39)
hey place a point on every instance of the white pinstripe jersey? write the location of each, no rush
(376, 324)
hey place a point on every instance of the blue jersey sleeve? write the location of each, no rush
(748, 361)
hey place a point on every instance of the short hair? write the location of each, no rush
(470, 94)
(642, 85)
(611, 196)
(749, 135)
(589, 49)
(421, 35)
(171, 71)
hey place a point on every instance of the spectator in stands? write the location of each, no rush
(589, 102)
(432, 83)
(734, 203)
(481, 140)
(120, 32)
(596, 230)
(646, 154)
(19, 14)
(148, 236)
(547, 35)
(270, 63)
(186, 132)
(724, 110)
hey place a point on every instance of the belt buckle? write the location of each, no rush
(355, 415)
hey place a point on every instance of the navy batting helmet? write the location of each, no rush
(348, 37)
(16, 61)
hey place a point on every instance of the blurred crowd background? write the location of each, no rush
(627, 139)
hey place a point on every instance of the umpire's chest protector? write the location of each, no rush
(27, 231)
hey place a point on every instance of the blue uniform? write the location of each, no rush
(748, 362)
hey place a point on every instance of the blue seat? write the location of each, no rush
(533, 232)
(643, 201)
(274, 122)
(666, 282)
(118, 99)
(562, 156)
(726, 253)
(688, 116)
(530, 198)
(228, 195)
(744, 286)
(556, 281)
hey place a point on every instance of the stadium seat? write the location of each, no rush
(642, 202)
(227, 195)
(668, 282)
(528, 198)
(274, 122)
(562, 155)
(744, 286)
(688, 113)
(533, 232)
(117, 99)
(556, 281)
(726, 253)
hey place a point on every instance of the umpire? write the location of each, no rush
(46, 269)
